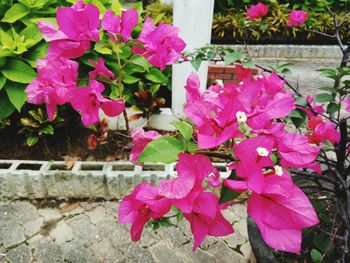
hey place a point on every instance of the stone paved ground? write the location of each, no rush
(88, 232)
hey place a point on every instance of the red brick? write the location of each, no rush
(216, 69)
(230, 69)
(223, 76)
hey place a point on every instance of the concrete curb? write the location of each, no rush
(291, 51)
(107, 180)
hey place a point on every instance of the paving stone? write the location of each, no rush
(235, 239)
(241, 227)
(162, 253)
(136, 254)
(33, 227)
(20, 254)
(118, 234)
(199, 255)
(97, 214)
(246, 249)
(46, 250)
(105, 252)
(6, 211)
(79, 254)
(224, 254)
(174, 235)
(207, 242)
(84, 230)
(149, 237)
(62, 233)
(11, 233)
(25, 211)
(76, 211)
(35, 238)
(50, 214)
(88, 206)
(112, 208)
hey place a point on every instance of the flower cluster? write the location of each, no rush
(296, 17)
(245, 119)
(79, 27)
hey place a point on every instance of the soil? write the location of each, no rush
(69, 143)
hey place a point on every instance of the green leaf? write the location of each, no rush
(230, 58)
(6, 107)
(31, 33)
(31, 140)
(2, 81)
(19, 71)
(301, 101)
(184, 128)
(332, 107)
(140, 61)
(323, 97)
(48, 129)
(226, 193)
(156, 76)
(164, 149)
(196, 63)
(17, 11)
(316, 256)
(329, 73)
(16, 94)
(128, 79)
(298, 117)
(6, 40)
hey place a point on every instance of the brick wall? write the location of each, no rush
(220, 72)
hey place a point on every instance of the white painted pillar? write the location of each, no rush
(194, 18)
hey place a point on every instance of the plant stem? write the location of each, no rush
(125, 114)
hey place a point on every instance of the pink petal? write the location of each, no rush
(113, 108)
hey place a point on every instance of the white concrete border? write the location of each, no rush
(107, 180)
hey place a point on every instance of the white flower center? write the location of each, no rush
(262, 151)
(241, 117)
(278, 170)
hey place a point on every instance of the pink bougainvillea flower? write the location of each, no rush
(121, 26)
(192, 88)
(268, 109)
(140, 139)
(60, 44)
(322, 131)
(192, 169)
(254, 154)
(297, 18)
(346, 103)
(161, 45)
(281, 211)
(206, 219)
(257, 11)
(242, 73)
(79, 22)
(89, 100)
(296, 151)
(55, 78)
(100, 70)
(273, 84)
(140, 206)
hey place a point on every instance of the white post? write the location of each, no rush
(194, 18)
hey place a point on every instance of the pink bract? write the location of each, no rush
(322, 131)
(297, 18)
(140, 139)
(100, 70)
(55, 79)
(120, 25)
(296, 151)
(161, 44)
(206, 218)
(192, 169)
(281, 211)
(89, 100)
(257, 11)
(140, 206)
(79, 22)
